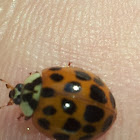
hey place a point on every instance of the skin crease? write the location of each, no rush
(100, 36)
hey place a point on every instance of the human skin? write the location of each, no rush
(96, 35)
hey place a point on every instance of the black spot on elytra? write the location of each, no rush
(55, 68)
(98, 81)
(107, 123)
(44, 123)
(93, 113)
(89, 129)
(68, 106)
(61, 136)
(97, 94)
(47, 92)
(72, 87)
(82, 76)
(72, 125)
(49, 110)
(112, 100)
(30, 86)
(87, 137)
(56, 77)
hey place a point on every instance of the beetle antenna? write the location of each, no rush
(9, 103)
(69, 64)
(7, 84)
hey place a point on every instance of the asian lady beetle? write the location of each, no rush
(66, 103)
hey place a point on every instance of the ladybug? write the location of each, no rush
(66, 103)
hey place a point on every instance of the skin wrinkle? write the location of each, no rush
(100, 36)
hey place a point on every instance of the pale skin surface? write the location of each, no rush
(100, 36)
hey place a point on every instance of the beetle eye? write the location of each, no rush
(12, 94)
(17, 100)
(19, 87)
